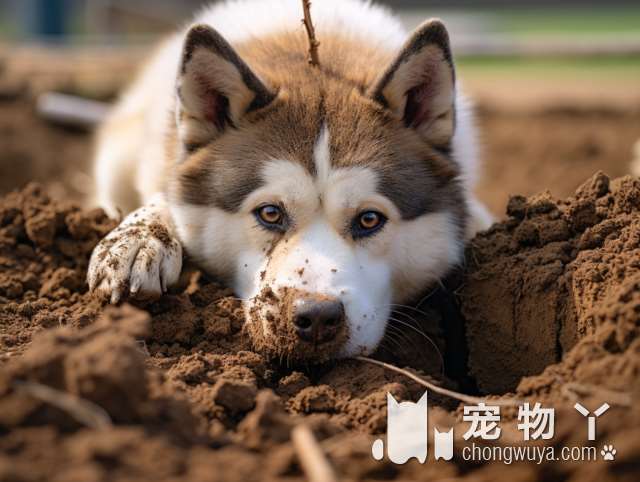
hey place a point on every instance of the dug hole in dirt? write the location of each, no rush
(173, 390)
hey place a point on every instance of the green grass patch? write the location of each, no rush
(564, 21)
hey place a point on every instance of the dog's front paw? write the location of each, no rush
(139, 259)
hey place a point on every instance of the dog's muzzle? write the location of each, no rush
(298, 325)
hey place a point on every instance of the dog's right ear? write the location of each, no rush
(215, 88)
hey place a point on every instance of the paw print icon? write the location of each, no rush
(608, 452)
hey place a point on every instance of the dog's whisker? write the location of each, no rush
(424, 335)
(412, 308)
(415, 322)
(417, 325)
(395, 343)
(403, 336)
(396, 334)
(395, 307)
(400, 336)
(427, 296)
(418, 328)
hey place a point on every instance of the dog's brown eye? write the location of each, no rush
(369, 220)
(367, 223)
(270, 215)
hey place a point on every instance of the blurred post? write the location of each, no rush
(50, 18)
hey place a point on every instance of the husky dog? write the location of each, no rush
(347, 185)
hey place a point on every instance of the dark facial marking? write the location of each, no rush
(415, 177)
(227, 170)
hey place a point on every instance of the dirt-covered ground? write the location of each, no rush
(546, 309)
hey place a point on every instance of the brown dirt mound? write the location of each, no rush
(550, 274)
(173, 391)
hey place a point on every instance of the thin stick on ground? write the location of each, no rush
(84, 411)
(440, 390)
(312, 459)
(314, 59)
(621, 399)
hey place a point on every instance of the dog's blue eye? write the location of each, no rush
(367, 223)
(270, 216)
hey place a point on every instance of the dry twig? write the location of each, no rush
(621, 399)
(84, 411)
(312, 458)
(440, 390)
(314, 59)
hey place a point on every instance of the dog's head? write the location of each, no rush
(322, 195)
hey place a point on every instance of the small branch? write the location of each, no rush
(314, 59)
(621, 399)
(84, 411)
(312, 458)
(440, 390)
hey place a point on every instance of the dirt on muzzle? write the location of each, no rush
(273, 333)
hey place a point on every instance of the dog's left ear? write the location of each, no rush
(419, 85)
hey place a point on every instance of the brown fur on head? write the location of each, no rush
(369, 130)
(372, 114)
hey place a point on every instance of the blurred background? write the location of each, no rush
(556, 83)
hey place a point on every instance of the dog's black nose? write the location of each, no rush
(318, 320)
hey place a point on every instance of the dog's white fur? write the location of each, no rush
(391, 268)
